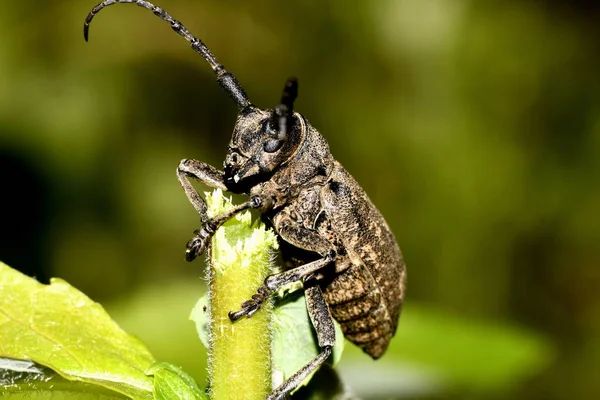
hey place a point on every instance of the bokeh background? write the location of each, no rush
(474, 126)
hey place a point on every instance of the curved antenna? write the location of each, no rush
(225, 79)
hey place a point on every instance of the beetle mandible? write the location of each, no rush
(332, 237)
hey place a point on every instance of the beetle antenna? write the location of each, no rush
(283, 112)
(225, 79)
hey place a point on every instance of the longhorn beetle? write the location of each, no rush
(332, 237)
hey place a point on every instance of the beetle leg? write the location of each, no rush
(275, 281)
(322, 321)
(199, 243)
(203, 172)
(212, 177)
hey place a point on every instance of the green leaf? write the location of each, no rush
(59, 327)
(200, 317)
(171, 383)
(28, 381)
(168, 302)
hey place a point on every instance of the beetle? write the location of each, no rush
(332, 238)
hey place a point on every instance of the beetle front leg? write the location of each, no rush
(204, 173)
(322, 321)
(199, 243)
(212, 177)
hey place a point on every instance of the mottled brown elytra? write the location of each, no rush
(332, 237)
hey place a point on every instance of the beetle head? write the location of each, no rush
(262, 141)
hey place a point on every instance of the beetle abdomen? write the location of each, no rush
(356, 303)
(369, 293)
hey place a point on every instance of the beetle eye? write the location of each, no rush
(271, 130)
(272, 145)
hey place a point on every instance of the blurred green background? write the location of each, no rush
(474, 126)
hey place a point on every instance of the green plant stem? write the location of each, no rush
(240, 355)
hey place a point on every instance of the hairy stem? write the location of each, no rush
(240, 260)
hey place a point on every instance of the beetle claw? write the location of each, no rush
(247, 310)
(250, 307)
(197, 245)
